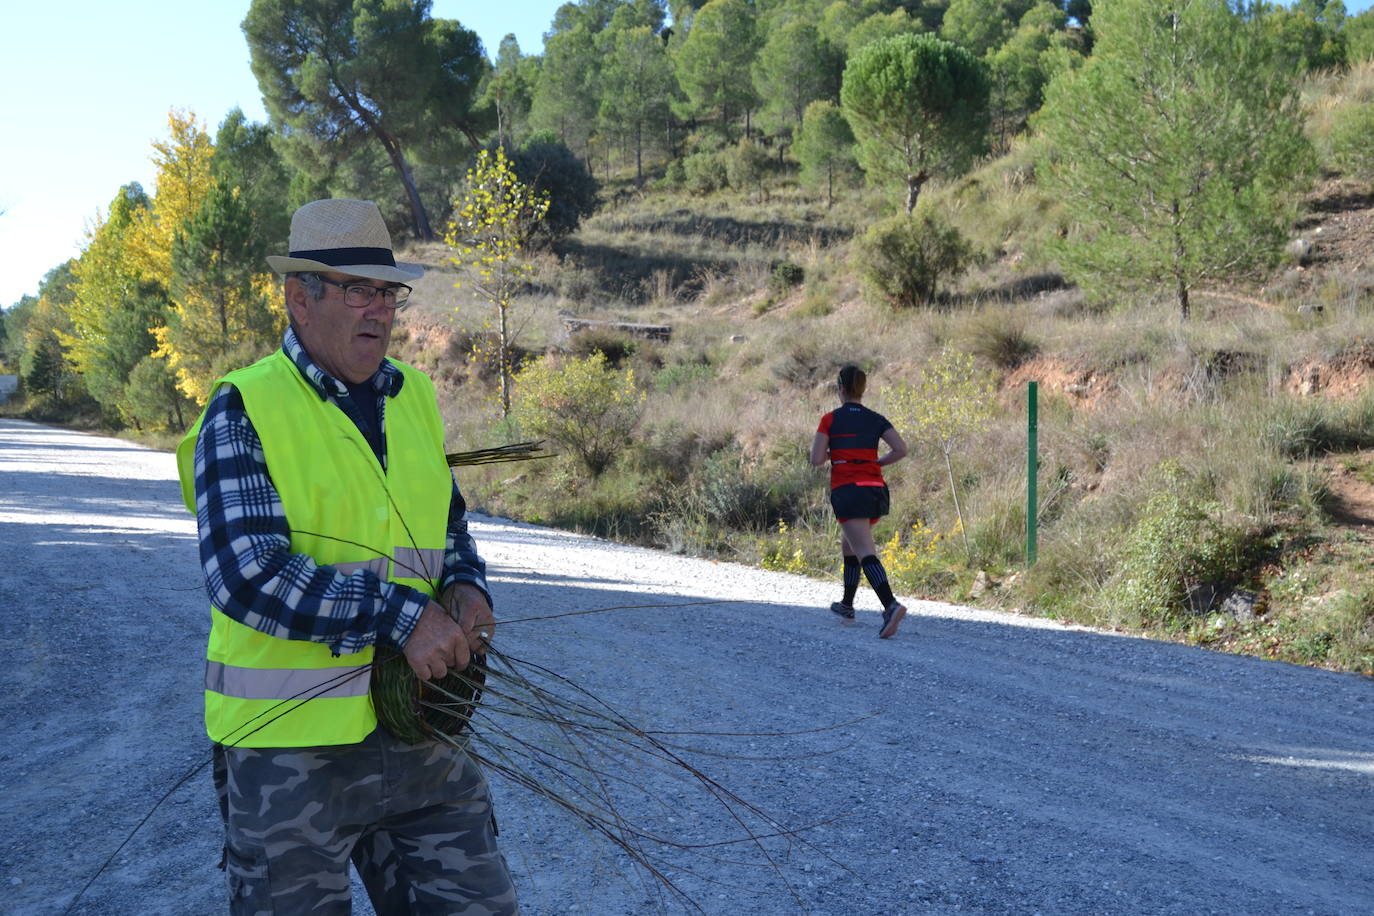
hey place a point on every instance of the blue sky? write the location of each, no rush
(88, 85)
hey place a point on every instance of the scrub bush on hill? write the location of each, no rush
(1179, 541)
(1350, 149)
(726, 493)
(582, 406)
(902, 259)
(749, 495)
(745, 168)
(783, 276)
(733, 505)
(615, 346)
(669, 451)
(1000, 337)
(705, 172)
(674, 174)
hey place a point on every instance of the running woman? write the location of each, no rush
(848, 437)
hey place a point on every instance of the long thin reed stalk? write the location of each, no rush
(516, 451)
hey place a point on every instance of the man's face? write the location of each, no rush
(348, 343)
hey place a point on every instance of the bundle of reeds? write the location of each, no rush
(559, 742)
(415, 710)
(516, 451)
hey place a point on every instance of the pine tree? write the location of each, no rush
(1178, 148)
(919, 107)
(714, 61)
(341, 76)
(825, 147)
(223, 314)
(638, 84)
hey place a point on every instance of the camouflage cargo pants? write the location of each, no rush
(416, 821)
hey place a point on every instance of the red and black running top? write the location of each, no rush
(854, 433)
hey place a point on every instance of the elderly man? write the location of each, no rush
(331, 527)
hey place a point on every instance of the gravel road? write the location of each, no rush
(998, 764)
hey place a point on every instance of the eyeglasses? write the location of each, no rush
(360, 295)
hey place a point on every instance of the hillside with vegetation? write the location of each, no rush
(1160, 212)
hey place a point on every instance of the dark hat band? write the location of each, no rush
(342, 257)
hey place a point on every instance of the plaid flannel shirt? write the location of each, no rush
(245, 541)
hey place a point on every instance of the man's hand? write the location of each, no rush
(469, 607)
(448, 634)
(436, 645)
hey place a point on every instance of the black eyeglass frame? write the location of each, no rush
(400, 293)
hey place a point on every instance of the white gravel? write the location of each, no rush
(1007, 765)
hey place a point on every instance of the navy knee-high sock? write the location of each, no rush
(877, 577)
(851, 578)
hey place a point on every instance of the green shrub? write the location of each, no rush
(674, 175)
(614, 345)
(730, 493)
(903, 259)
(549, 166)
(1178, 541)
(581, 405)
(1349, 141)
(784, 276)
(705, 172)
(746, 165)
(671, 450)
(616, 505)
(670, 378)
(727, 493)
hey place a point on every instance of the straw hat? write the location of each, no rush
(344, 236)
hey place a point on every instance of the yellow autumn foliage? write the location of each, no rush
(179, 191)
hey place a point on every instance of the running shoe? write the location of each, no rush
(844, 611)
(892, 618)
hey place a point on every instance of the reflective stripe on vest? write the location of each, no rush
(287, 683)
(345, 511)
(426, 563)
(418, 564)
(376, 565)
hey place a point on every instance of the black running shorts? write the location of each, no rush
(854, 501)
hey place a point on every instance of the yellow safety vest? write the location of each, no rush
(344, 511)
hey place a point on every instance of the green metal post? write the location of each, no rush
(1032, 466)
